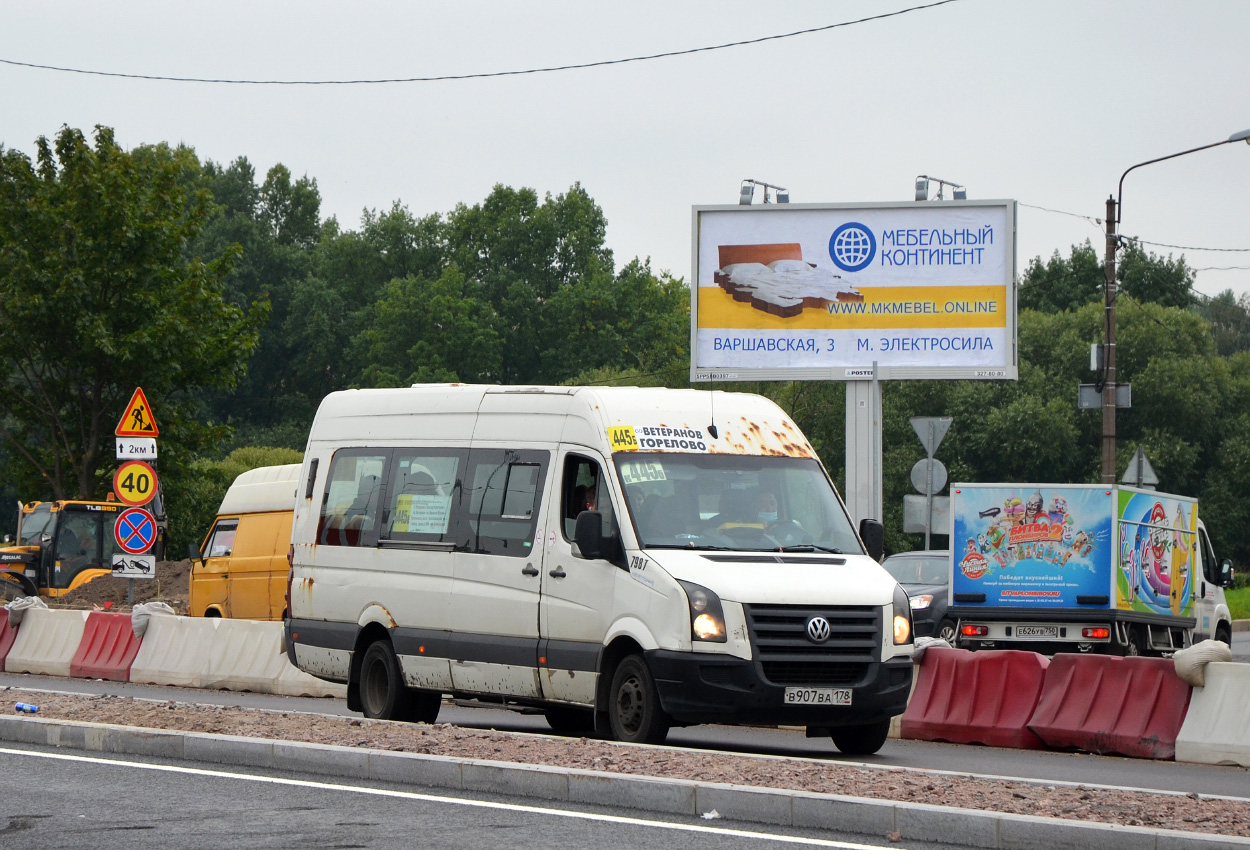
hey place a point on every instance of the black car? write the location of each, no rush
(925, 577)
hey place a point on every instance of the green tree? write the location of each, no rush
(1060, 284)
(192, 513)
(518, 254)
(97, 297)
(1230, 321)
(423, 330)
(1147, 277)
(632, 321)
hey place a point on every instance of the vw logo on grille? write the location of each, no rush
(818, 629)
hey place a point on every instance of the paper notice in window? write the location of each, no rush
(422, 514)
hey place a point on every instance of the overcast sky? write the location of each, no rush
(1042, 101)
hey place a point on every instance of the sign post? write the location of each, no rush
(135, 484)
(929, 475)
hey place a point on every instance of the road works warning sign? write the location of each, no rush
(138, 420)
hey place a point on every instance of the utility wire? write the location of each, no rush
(483, 75)
(1098, 223)
(1189, 247)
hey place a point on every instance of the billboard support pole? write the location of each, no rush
(864, 499)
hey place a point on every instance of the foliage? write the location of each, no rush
(97, 297)
(1238, 602)
(1060, 284)
(245, 308)
(194, 505)
(1230, 321)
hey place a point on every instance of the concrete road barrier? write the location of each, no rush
(175, 651)
(1217, 726)
(46, 642)
(294, 682)
(246, 655)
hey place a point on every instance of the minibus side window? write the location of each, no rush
(505, 488)
(351, 505)
(423, 495)
(583, 488)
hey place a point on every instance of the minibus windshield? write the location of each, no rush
(738, 502)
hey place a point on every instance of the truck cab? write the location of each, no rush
(64, 544)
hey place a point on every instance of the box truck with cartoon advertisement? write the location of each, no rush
(1083, 567)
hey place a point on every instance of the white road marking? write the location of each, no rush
(457, 801)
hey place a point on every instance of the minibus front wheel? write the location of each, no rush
(861, 740)
(634, 704)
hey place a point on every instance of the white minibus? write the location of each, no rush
(624, 559)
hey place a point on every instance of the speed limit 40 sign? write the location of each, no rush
(135, 483)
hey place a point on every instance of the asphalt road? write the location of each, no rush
(985, 761)
(59, 799)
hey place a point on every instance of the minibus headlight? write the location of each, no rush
(707, 619)
(921, 602)
(902, 616)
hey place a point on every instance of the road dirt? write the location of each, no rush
(1186, 812)
(171, 585)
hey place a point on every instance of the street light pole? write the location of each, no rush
(1115, 210)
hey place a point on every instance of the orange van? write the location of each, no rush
(240, 568)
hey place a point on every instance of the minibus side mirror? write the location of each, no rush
(588, 534)
(591, 543)
(1226, 573)
(872, 532)
(193, 552)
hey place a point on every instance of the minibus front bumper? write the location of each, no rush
(703, 688)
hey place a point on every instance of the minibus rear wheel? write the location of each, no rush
(861, 740)
(383, 695)
(634, 704)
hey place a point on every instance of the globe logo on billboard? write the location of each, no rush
(852, 246)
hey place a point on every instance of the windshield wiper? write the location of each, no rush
(809, 547)
(687, 546)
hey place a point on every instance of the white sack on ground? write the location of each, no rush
(141, 613)
(1191, 663)
(18, 607)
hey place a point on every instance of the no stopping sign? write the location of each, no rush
(135, 531)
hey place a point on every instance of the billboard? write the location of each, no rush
(852, 291)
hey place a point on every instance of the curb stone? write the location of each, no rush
(865, 816)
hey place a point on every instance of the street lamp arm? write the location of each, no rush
(1235, 137)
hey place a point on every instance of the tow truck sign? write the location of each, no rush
(134, 566)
